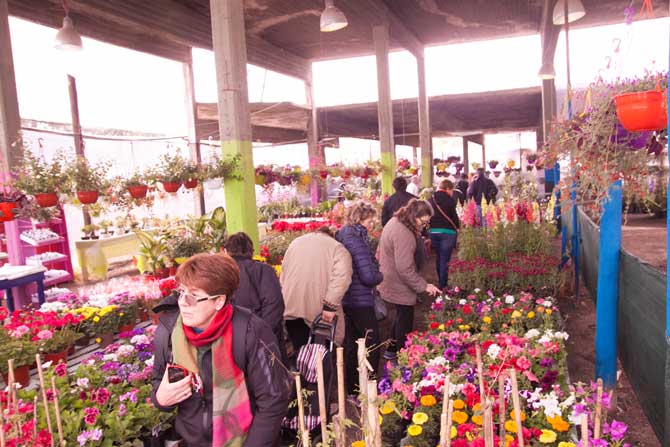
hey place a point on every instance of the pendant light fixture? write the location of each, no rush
(67, 38)
(332, 18)
(575, 11)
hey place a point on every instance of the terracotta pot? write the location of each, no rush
(126, 328)
(138, 191)
(6, 210)
(171, 186)
(56, 357)
(46, 199)
(105, 339)
(191, 183)
(21, 375)
(88, 197)
(83, 341)
(642, 110)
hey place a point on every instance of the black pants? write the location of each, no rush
(358, 322)
(298, 333)
(403, 324)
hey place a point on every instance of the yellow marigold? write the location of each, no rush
(259, 258)
(98, 340)
(121, 314)
(487, 320)
(510, 426)
(96, 318)
(531, 314)
(358, 444)
(460, 417)
(516, 314)
(277, 269)
(566, 444)
(428, 400)
(388, 407)
(547, 437)
(523, 416)
(454, 432)
(420, 418)
(441, 327)
(476, 407)
(381, 419)
(459, 404)
(558, 424)
(479, 420)
(508, 440)
(548, 311)
(414, 430)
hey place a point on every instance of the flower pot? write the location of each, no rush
(56, 357)
(171, 187)
(21, 375)
(88, 197)
(105, 339)
(83, 341)
(138, 191)
(642, 110)
(213, 183)
(46, 199)
(6, 210)
(126, 328)
(191, 183)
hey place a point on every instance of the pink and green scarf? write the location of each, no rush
(231, 417)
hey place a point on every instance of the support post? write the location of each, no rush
(607, 303)
(317, 156)
(466, 157)
(483, 153)
(193, 134)
(230, 55)
(425, 139)
(385, 107)
(76, 132)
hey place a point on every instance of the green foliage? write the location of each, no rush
(154, 249)
(220, 167)
(172, 168)
(82, 176)
(36, 175)
(21, 350)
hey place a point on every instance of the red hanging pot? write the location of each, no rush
(6, 208)
(642, 110)
(138, 191)
(171, 186)
(46, 199)
(88, 197)
(191, 183)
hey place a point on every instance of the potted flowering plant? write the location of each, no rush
(136, 184)
(22, 351)
(41, 179)
(128, 311)
(493, 164)
(87, 180)
(54, 344)
(641, 105)
(171, 171)
(10, 202)
(192, 174)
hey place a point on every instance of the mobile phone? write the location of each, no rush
(176, 373)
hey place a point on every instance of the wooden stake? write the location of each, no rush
(11, 397)
(304, 434)
(447, 392)
(59, 423)
(585, 430)
(337, 430)
(443, 429)
(341, 399)
(2, 423)
(450, 421)
(517, 407)
(488, 423)
(40, 372)
(362, 379)
(35, 403)
(480, 373)
(599, 410)
(373, 437)
(321, 389)
(502, 410)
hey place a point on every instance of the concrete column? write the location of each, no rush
(317, 156)
(193, 134)
(425, 137)
(385, 107)
(230, 55)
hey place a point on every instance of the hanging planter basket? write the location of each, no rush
(171, 187)
(642, 110)
(213, 183)
(7, 211)
(493, 164)
(46, 199)
(138, 191)
(88, 197)
(191, 183)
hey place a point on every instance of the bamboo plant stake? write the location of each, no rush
(304, 434)
(447, 392)
(40, 372)
(599, 410)
(373, 437)
(502, 410)
(2, 423)
(35, 403)
(488, 418)
(362, 378)
(480, 374)
(450, 422)
(59, 423)
(321, 389)
(517, 407)
(11, 395)
(443, 429)
(341, 399)
(585, 430)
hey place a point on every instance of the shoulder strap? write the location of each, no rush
(439, 208)
(240, 323)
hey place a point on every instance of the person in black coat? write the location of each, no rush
(259, 289)
(444, 227)
(359, 301)
(461, 189)
(482, 187)
(397, 200)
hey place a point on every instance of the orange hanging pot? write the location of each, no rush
(88, 197)
(191, 183)
(7, 211)
(138, 191)
(171, 187)
(46, 199)
(642, 110)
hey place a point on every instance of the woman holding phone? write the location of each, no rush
(216, 364)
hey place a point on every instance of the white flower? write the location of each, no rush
(140, 340)
(462, 302)
(149, 362)
(532, 333)
(55, 306)
(478, 290)
(493, 351)
(437, 361)
(547, 303)
(509, 299)
(47, 365)
(83, 382)
(561, 335)
(125, 350)
(110, 357)
(438, 300)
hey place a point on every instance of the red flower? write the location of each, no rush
(434, 325)
(61, 369)
(467, 309)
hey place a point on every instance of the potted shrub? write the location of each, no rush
(54, 344)
(22, 351)
(171, 171)
(89, 231)
(192, 174)
(41, 179)
(137, 185)
(10, 203)
(105, 225)
(31, 210)
(87, 180)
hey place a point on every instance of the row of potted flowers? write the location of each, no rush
(287, 175)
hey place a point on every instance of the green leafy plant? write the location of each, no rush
(83, 176)
(22, 351)
(171, 168)
(219, 167)
(37, 176)
(153, 248)
(61, 339)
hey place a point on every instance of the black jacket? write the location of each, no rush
(366, 275)
(260, 292)
(483, 187)
(462, 188)
(266, 380)
(394, 203)
(448, 205)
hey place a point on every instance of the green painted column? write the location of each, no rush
(385, 107)
(425, 137)
(241, 194)
(388, 173)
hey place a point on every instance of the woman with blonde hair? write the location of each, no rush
(398, 256)
(359, 300)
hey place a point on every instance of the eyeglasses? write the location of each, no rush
(192, 300)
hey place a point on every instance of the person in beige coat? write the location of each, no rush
(315, 275)
(398, 261)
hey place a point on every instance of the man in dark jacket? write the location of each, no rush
(482, 187)
(255, 353)
(397, 200)
(461, 189)
(259, 289)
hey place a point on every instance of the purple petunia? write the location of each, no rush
(617, 430)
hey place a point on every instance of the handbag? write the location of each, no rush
(381, 309)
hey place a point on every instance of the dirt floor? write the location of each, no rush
(644, 237)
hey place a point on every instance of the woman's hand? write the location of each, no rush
(432, 290)
(170, 394)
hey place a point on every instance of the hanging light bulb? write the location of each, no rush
(68, 39)
(332, 18)
(547, 72)
(575, 11)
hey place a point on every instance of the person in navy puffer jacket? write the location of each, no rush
(359, 301)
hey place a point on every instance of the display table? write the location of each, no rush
(93, 255)
(21, 275)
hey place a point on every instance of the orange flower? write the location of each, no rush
(428, 400)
